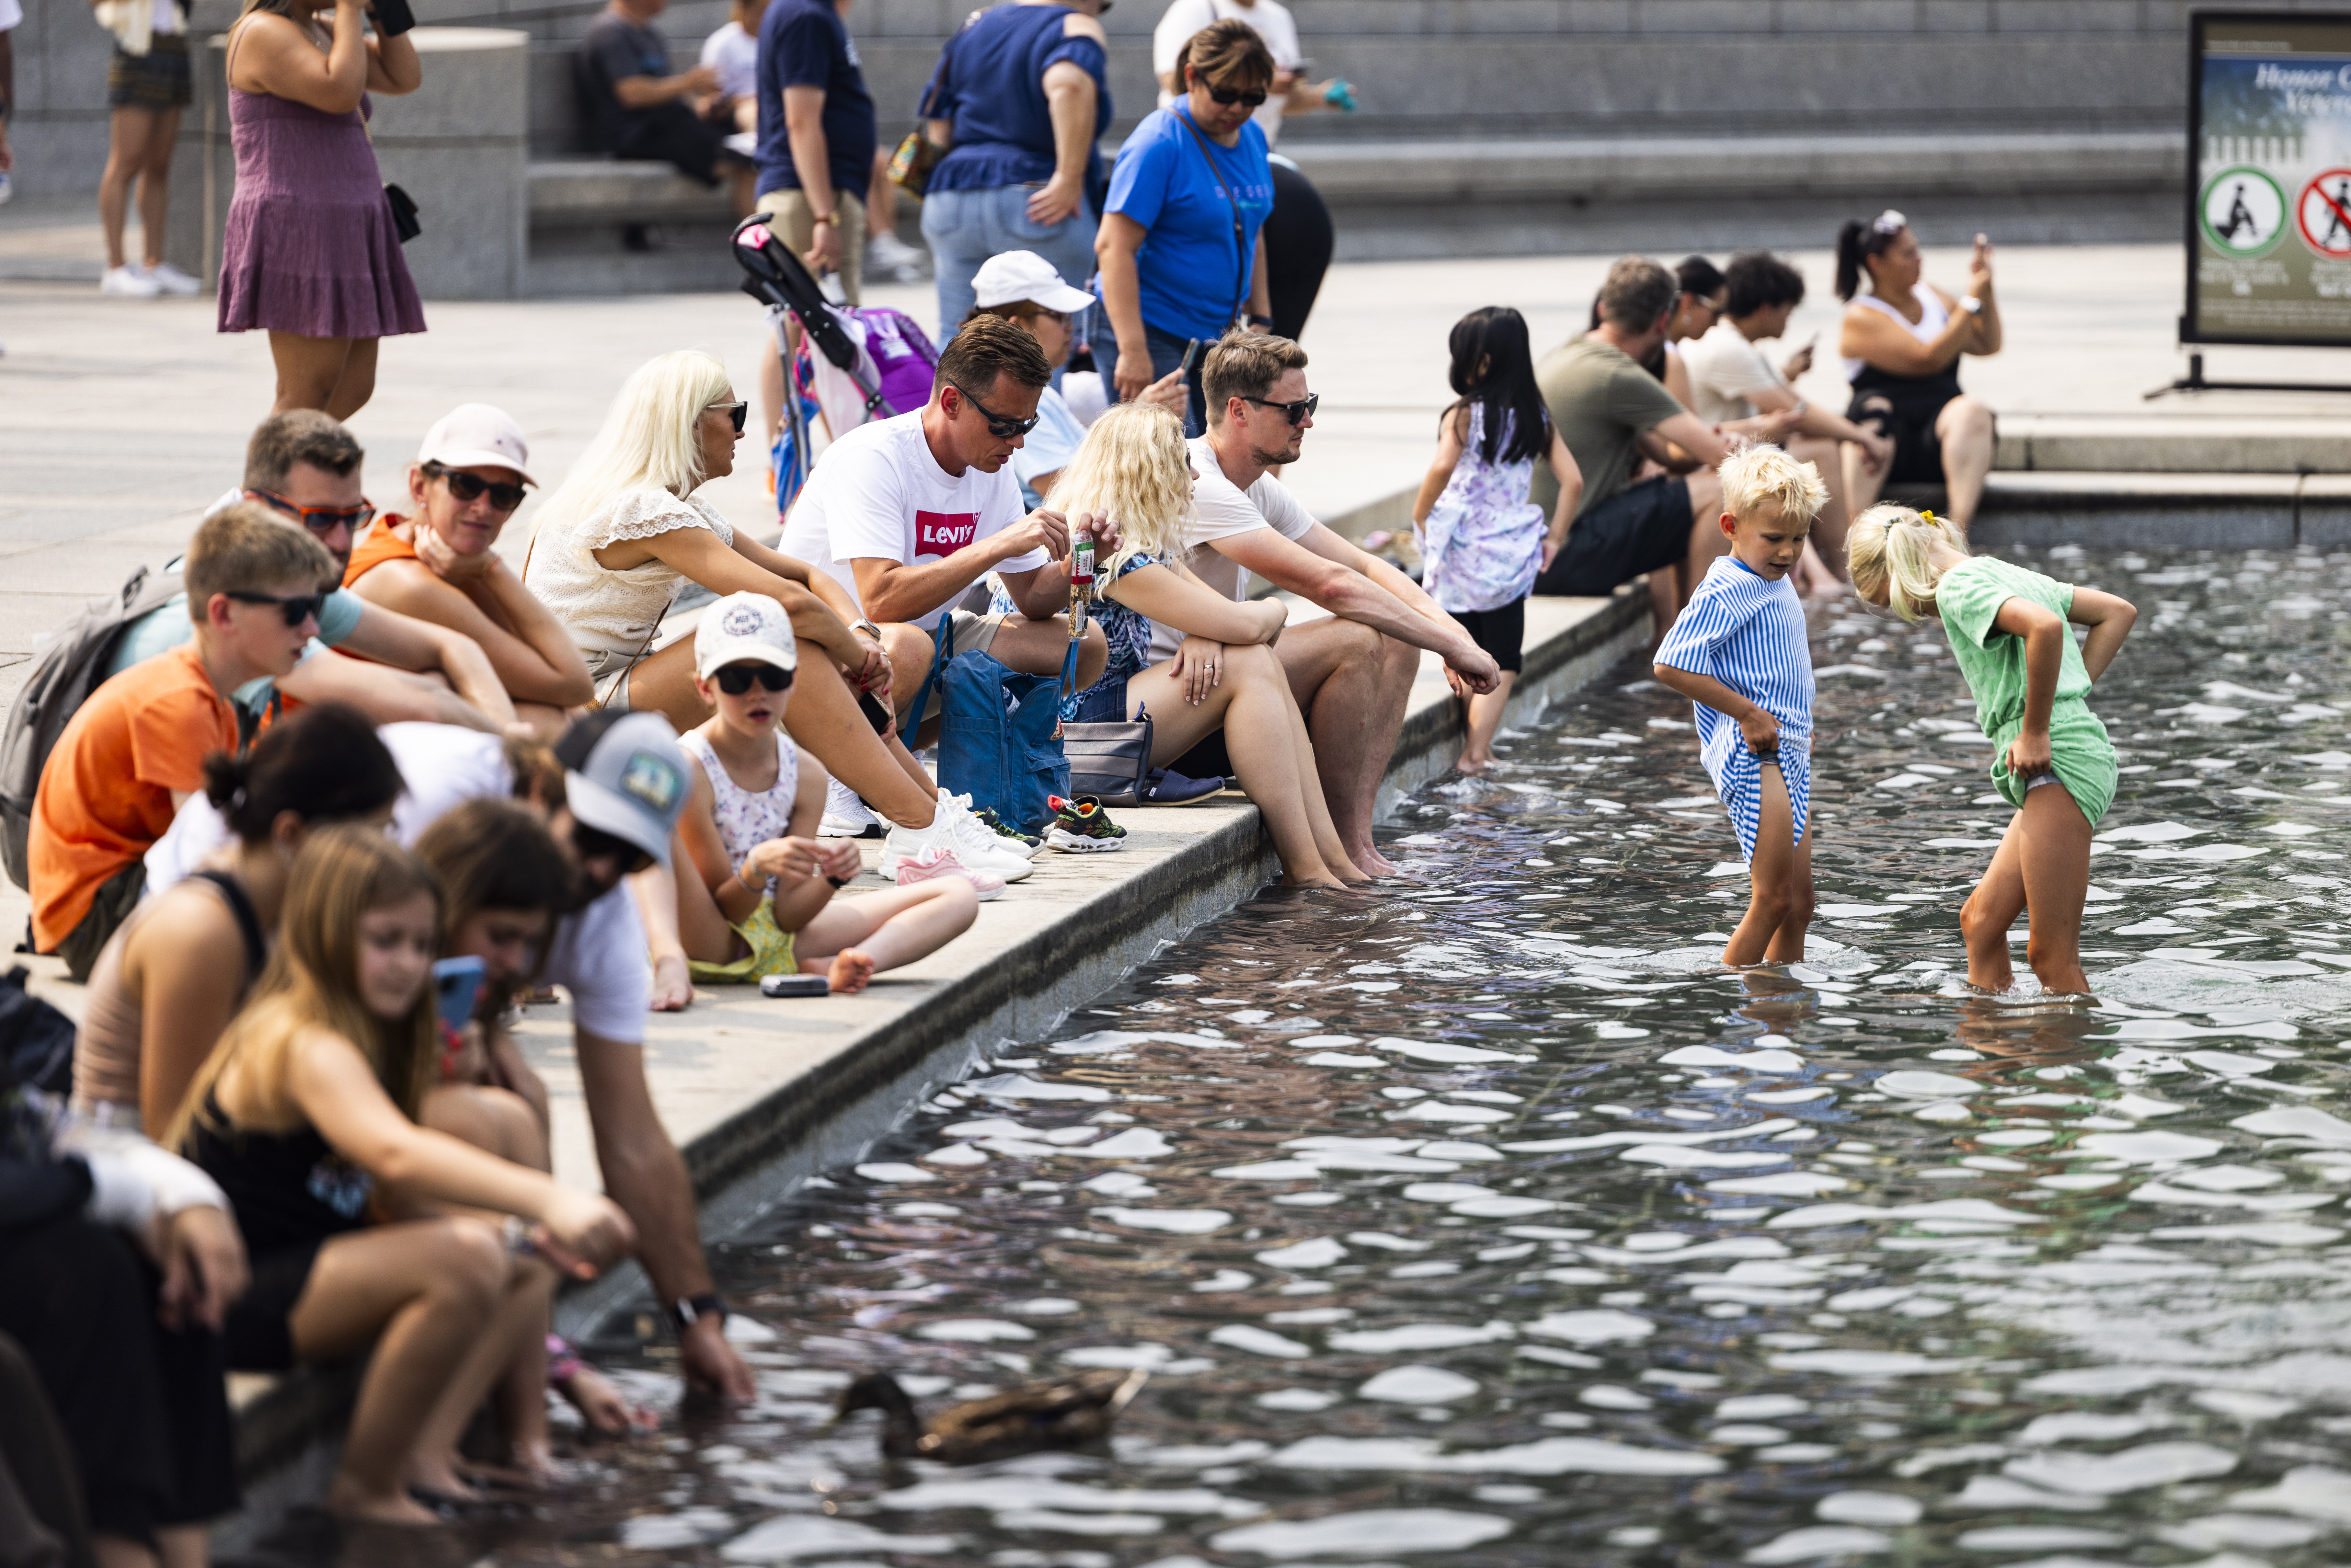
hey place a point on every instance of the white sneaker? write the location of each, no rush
(171, 280)
(924, 847)
(976, 843)
(129, 283)
(7, 187)
(886, 253)
(845, 816)
(939, 860)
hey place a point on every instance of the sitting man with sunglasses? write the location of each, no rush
(305, 467)
(1353, 673)
(136, 749)
(909, 514)
(440, 564)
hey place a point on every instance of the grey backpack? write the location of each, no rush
(70, 663)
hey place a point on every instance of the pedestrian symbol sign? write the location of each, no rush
(2242, 211)
(2324, 214)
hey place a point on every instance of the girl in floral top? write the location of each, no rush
(1134, 469)
(1482, 542)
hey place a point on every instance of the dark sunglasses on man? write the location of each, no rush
(736, 679)
(999, 427)
(738, 412)
(320, 519)
(467, 486)
(1297, 413)
(297, 608)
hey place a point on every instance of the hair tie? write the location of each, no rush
(1927, 513)
(236, 799)
(1889, 222)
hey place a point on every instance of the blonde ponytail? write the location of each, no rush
(1892, 547)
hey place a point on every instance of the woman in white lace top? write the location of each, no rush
(617, 542)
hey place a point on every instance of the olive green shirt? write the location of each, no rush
(1600, 399)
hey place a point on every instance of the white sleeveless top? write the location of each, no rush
(610, 611)
(748, 818)
(1933, 316)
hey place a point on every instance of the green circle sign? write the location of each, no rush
(2243, 212)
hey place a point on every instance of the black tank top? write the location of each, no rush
(289, 1190)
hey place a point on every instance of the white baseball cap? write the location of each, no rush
(475, 436)
(744, 627)
(1018, 274)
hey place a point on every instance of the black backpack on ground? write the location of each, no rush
(70, 665)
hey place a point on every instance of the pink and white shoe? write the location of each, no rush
(939, 860)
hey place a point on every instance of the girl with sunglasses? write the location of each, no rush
(1181, 252)
(754, 883)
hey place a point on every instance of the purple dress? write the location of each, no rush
(310, 247)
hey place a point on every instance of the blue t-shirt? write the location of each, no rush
(1047, 448)
(990, 83)
(803, 42)
(1191, 263)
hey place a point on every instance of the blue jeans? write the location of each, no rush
(964, 228)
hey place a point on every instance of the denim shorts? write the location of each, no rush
(1105, 702)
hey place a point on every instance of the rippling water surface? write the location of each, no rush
(1489, 1221)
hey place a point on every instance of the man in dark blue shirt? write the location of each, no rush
(637, 108)
(817, 136)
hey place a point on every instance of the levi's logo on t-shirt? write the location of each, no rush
(944, 533)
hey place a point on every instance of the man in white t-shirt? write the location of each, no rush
(1732, 385)
(909, 514)
(1292, 93)
(1351, 674)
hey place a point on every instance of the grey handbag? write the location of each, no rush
(1110, 761)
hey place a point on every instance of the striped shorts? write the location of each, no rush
(1739, 782)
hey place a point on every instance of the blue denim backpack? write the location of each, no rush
(999, 731)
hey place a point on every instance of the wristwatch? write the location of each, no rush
(1971, 305)
(824, 218)
(687, 1311)
(1256, 320)
(867, 627)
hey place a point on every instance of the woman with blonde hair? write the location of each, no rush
(624, 535)
(306, 1115)
(1135, 468)
(2052, 762)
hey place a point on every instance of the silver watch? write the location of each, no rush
(1971, 305)
(867, 627)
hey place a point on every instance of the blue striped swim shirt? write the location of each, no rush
(1749, 632)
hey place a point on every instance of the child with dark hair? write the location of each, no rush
(168, 983)
(1482, 542)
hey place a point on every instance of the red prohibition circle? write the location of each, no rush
(2318, 187)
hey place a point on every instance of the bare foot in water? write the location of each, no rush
(1475, 766)
(851, 970)
(1369, 861)
(346, 1499)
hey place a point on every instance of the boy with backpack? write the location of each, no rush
(136, 749)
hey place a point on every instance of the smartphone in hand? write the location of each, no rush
(456, 987)
(876, 713)
(392, 17)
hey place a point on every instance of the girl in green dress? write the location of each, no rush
(2008, 630)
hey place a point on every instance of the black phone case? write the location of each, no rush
(392, 17)
(875, 714)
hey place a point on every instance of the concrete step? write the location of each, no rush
(2183, 445)
(2212, 511)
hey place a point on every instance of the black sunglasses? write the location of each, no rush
(1229, 96)
(737, 412)
(999, 427)
(297, 608)
(471, 488)
(320, 519)
(736, 679)
(1300, 412)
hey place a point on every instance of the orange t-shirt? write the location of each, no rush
(105, 795)
(380, 545)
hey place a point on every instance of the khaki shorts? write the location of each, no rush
(795, 226)
(973, 634)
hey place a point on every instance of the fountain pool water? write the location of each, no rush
(1487, 1220)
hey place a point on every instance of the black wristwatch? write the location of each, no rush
(687, 1311)
(1260, 320)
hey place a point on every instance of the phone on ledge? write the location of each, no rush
(456, 987)
(795, 986)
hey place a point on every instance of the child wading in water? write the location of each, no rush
(754, 883)
(2008, 631)
(1482, 542)
(1739, 652)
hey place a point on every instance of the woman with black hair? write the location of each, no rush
(1902, 343)
(168, 982)
(1482, 542)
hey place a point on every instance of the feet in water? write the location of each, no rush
(1370, 861)
(1473, 764)
(673, 986)
(851, 970)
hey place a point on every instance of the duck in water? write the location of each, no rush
(1071, 1413)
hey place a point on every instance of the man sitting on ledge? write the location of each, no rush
(1352, 675)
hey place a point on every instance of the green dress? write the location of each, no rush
(1968, 598)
